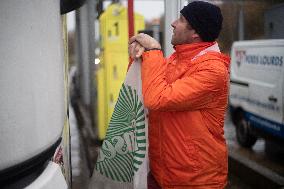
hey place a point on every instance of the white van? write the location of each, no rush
(257, 88)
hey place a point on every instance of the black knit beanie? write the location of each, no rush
(205, 18)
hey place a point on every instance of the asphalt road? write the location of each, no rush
(267, 164)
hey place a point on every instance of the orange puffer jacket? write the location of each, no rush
(187, 97)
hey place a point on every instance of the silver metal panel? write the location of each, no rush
(31, 79)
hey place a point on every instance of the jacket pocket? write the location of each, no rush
(182, 165)
(185, 158)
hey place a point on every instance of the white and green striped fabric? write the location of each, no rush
(123, 157)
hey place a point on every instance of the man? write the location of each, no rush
(186, 95)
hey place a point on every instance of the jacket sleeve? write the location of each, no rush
(188, 93)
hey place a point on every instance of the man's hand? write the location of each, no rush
(140, 43)
(135, 50)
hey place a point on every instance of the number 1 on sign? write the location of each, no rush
(116, 28)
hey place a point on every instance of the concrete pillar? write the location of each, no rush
(241, 25)
(85, 48)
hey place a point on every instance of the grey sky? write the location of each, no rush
(148, 8)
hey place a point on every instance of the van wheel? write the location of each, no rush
(244, 136)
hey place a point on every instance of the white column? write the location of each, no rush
(172, 9)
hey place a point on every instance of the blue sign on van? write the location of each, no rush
(272, 127)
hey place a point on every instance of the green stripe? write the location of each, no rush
(141, 120)
(140, 114)
(104, 170)
(140, 134)
(139, 106)
(120, 170)
(141, 141)
(140, 127)
(142, 148)
(124, 105)
(128, 168)
(139, 155)
(124, 169)
(112, 170)
(126, 93)
(124, 101)
(137, 162)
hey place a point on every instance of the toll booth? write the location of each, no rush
(114, 60)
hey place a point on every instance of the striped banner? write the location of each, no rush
(123, 158)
